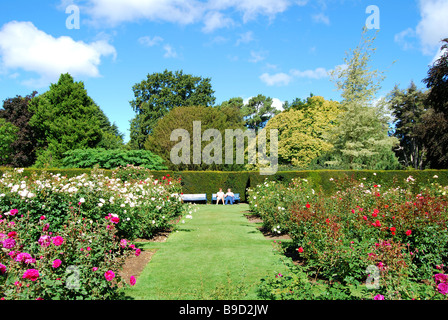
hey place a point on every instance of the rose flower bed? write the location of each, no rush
(361, 242)
(68, 238)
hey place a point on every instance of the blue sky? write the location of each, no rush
(279, 48)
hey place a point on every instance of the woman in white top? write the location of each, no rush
(220, 196)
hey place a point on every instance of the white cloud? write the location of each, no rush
(216, 20)
(24, 47)
(150, 42)
(245, 38)
(277, 79)
(318, 73)
(184, 12)
(277, 104)
(114, 12)
(251, 9)
(169, 51)
(257, 56)
(321, 18)
(433, 26)
(283, 79)
(438, 55)
(402, 38)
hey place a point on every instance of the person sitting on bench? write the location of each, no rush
(220, 196)
(230, 197)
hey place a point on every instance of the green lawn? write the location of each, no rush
(217, 255)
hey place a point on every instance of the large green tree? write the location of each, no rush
(111, 138)
(361, 140)
(183, 118)
(23, 148)
(155, 96)
(8, 134)
(301, 131)
(408, 108)
(257, 111)
(65, 118)
(436, 119)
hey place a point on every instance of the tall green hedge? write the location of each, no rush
(210, 181)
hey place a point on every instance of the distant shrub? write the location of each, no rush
(111, 159)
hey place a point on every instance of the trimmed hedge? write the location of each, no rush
(210, 181)
(385, 178)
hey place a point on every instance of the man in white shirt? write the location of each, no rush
(220, 196)
(230, 197)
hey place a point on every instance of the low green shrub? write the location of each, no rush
(111, 159)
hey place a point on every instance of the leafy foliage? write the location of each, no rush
(218, 118)
(161, 92)
(302, 131)
(258, 111)
(8, 133)
(23, 149)
(111, 159)
(409, 107)
(361, 139)
(64, 118)
(436, 119)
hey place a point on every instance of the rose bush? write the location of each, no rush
(67, 238)
(80, 260)
(339, 237)
(143, 205)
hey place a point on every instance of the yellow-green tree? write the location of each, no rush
(301, 131)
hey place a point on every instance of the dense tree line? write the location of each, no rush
(406, 129)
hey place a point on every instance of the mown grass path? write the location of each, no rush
(217, 255)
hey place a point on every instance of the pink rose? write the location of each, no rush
(31, 274)
(440, 277)
(109, 275)
(378, 297)
(9, 243)
(44, 241)
(57, 241)
(132, 281)
(137, 252)
(13, 212)
(443, 288)
(24, 257)
(57, 263)
(95, 268)
(2, 268)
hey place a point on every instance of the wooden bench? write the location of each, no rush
(235, 200)
(194, 197)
